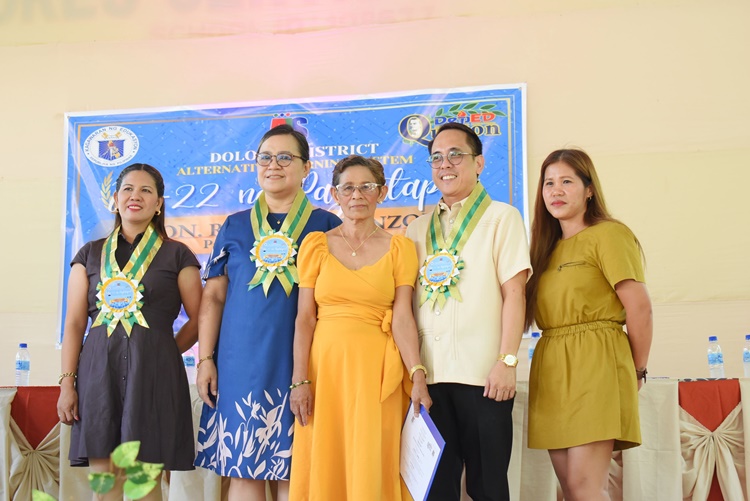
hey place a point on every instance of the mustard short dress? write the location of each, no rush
(582, 386)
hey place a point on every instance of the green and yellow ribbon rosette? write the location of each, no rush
(440, 273)
(120, 291)
(274, 252)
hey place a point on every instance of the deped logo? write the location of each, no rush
(480, 117)
(111, 146)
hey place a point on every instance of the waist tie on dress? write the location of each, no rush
(392, 371)
(587, 326)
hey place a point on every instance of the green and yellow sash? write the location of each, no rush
(120, 290)
(273, 252)
(441, 270)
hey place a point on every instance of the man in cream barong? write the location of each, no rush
(469, 304)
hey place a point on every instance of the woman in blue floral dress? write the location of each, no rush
(246, 324)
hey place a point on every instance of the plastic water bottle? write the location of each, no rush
(189, 360)
(715, 358)
(23, 365)
(532, 344)
(746, 355)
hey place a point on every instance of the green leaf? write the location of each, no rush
(487, 107)
(499, 113)
(41, 496)
(470, 106)
(136, 474)
(137, 491)
(439, 112)
(454, 109)
(140, 473)
(124, 455)
(101, 483)
(153, 469)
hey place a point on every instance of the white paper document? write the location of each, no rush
(421, 448)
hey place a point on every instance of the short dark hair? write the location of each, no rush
(288, 130)
(158, 219)
(474, 142)
(374, 166)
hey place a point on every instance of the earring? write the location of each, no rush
(158, 212)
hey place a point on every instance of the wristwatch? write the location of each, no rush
(509, 360)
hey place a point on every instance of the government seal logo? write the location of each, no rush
(111, 146)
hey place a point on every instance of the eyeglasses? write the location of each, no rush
(347, 190)
(282, 159)
(454, 158)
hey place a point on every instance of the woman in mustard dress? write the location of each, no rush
(354, 327)
(586, 371)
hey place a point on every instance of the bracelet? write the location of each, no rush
(210, 357)
(66, 374)
(418, 367)
(641, 374)
(294, 385)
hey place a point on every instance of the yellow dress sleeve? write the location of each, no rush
(619, 255)
(311, 253)
(405, 264)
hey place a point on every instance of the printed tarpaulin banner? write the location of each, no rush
(207, 154)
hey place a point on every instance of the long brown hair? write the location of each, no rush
(546, 230)
(158, 219)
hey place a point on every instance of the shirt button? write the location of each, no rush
(123, 378)
(437, 338)
(450, 221)
(437, 312)
(126, 357)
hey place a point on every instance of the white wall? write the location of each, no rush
(655, 91)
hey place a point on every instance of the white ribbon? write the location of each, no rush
(704, 450)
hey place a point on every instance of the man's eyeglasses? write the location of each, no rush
(282, 159)
(347, 190)
(454, 158)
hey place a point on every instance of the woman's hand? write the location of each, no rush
(67, 404)
(207, 382)
(301, 403)
(419, 394)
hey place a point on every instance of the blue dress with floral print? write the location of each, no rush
(249, 433)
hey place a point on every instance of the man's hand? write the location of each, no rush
(501, 382)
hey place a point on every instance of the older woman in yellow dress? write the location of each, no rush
(355, 339)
